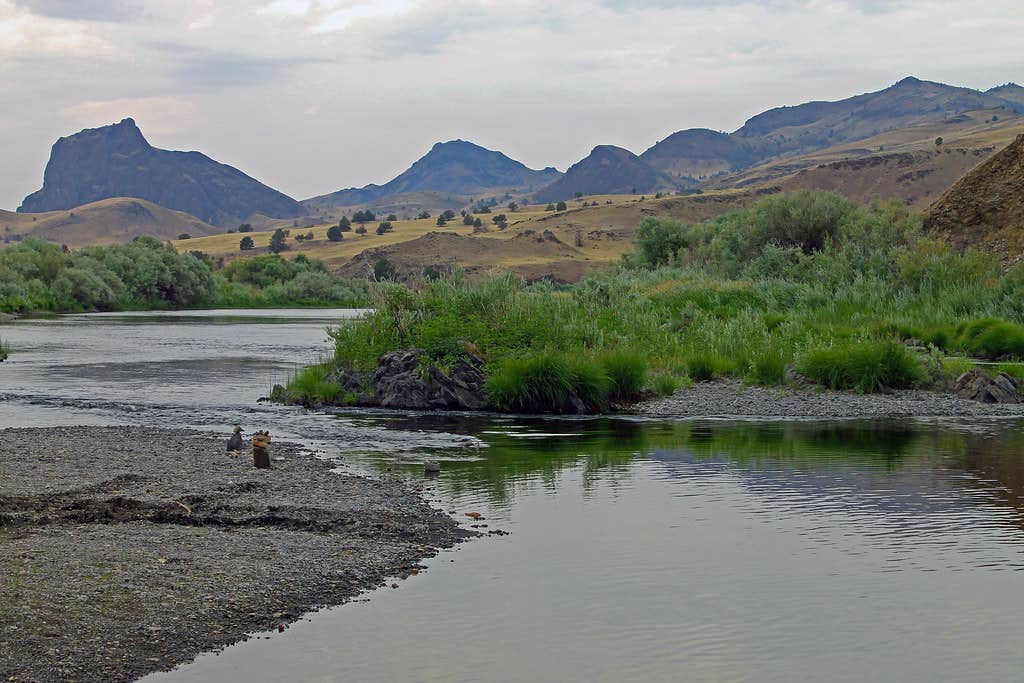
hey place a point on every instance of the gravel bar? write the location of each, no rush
(129, 550)
(731, 398)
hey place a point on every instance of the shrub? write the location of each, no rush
(702, 367)
(312, 385)
(335, 233)
(863, 366)
(278, 242)
(246, 244)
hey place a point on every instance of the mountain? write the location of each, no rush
(107, 221)
(698, 152)
(453, 168)
(606, 170)
(1011, 92)
(791, 131)
(986, 207)
(117, 161)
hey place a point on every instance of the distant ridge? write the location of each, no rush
(607, 170)
(117, 161)
(456, 167)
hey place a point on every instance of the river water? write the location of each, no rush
(709, 550)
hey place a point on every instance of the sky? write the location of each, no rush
(310, 96)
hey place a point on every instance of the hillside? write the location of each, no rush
(117, 161)
(986, 207)
(454, 169)
(107, 221)
(783, 133)
(584, 237)
(606, 170)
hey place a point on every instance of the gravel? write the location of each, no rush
(731, 398)
(128, 550)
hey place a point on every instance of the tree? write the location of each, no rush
(310, 235)
(483, 208)
(448, 215)
(391, 217)
(938, 141)
(361, 230)
(383, 270)
(577, 195)
(549, 207)
(441, 221)
(468, 219)
(244, 227)
(512, 206)
(184, 236)
(335, 233)
(423, 215)
(384, 227)
(246, 244)
(501, 220)
(561, 206)
(277, 242)
(477, 223)
(365, 216)
(344, 224)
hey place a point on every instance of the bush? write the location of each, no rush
(863, 366)
(278, 242)
(335, 233)
(246, 244)
(665, 384)
(561, 206)
(311, 385)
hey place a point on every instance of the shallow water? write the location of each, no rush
(639, 550)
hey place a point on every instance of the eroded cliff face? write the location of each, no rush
(117, 161)
(986, 207)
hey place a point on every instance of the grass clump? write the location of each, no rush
(665, 384)
(991, 338)
(627, 374)
(864, 366)
(312, 385)
(548, 383)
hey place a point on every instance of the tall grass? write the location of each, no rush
(812, 281)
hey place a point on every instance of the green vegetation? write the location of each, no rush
(146, 274)
(843, 294)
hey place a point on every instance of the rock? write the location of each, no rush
(975, 385)
(431, 467)
(117, 161)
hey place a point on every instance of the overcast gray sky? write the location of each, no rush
(310, 96)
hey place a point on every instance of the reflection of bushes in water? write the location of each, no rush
(605, 449)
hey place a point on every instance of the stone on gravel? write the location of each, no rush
(975, 385)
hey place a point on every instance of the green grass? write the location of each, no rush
(746, 295)
(865, 367)
(312, 385)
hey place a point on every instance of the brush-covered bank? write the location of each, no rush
(37, 276)
(800, 290)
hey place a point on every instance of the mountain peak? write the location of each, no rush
(117, 161)
(909, 80)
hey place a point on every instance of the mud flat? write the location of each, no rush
(128, 550)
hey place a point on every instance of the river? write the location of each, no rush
(709, 550)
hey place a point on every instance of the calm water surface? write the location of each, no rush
(639, 550)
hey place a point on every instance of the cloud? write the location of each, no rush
(321, 94)
(88, 10)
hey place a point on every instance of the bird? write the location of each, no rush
(235, 442)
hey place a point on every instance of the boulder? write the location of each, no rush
(975, 385)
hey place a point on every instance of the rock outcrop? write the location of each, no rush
(975, 385)
(402, 380)
(117, 161)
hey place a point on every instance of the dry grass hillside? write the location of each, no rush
(986, 208)
(903, 164)
(104, 222)
(537, 244)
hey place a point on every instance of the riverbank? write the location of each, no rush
(128, 550)
(733, 398)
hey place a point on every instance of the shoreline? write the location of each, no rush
(724, 398)
(130, 550)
